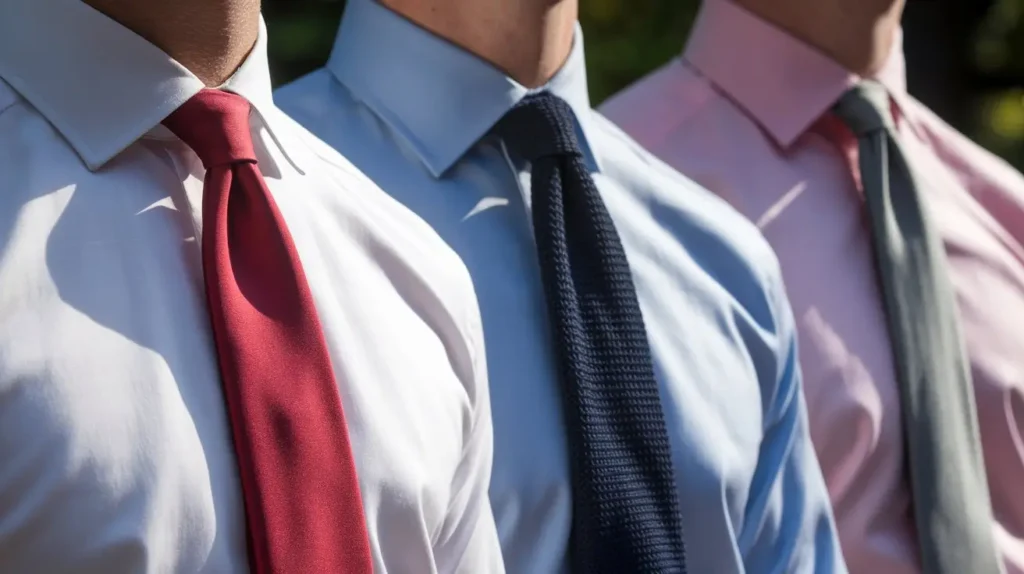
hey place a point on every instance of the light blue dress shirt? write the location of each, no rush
(413, 112)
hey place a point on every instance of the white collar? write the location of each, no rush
(100, 84)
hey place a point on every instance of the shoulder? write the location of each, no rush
(660, 184)
(660, 103)
(402, 244)
(973, 163)
(682, 118)
(312, 110)
(34, 158)
(7, 96)
(21, 124)
(394, 220)
(308, 94)
(726, 246)
(326, 107)
(336, 119)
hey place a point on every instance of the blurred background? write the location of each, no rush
(965, 58)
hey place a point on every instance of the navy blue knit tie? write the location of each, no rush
(625, 507)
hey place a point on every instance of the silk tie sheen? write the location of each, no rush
(625, 507)
(947, 473)
(304, 512)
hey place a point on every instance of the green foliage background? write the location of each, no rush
(627, 38)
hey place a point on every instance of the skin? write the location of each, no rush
(209, 37)
(858, 34)
(527, 39)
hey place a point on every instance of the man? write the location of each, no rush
(767, 107)
(188, 282)
(475, 115)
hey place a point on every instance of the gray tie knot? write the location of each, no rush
(864, 108)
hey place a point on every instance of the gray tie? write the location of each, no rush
(947, 474)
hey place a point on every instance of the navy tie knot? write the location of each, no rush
(540, 125)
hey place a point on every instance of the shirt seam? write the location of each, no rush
(7, 106)
(8, 96)
(680, 121)
(734, 103)
(472, 335)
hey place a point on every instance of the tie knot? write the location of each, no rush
(864, 108)
(539, 125)
(215, 124)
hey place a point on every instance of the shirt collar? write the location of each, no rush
(439, 97)
(781, 82)
(97, 82)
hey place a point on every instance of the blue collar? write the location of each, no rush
(440, 98)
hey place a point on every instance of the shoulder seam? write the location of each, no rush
(676, 123)
(7, 96)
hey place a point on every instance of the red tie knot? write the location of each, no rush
(215, 124)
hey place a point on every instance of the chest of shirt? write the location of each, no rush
(113, 429)
(810, 210)
(709, 382)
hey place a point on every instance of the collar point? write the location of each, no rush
(94, 159)
(437, 165)
(785, 139)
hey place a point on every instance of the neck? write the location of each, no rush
(209, 37)
(858, 34)
(527, 39)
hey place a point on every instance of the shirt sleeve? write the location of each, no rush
(788, 524)
(468, 543)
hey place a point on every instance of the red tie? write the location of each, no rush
(303, 508)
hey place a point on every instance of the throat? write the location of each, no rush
(529, 40)
(860, 35)
(211, 38)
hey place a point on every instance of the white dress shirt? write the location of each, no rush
(115, 449)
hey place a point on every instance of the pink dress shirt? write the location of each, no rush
(745, 113)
